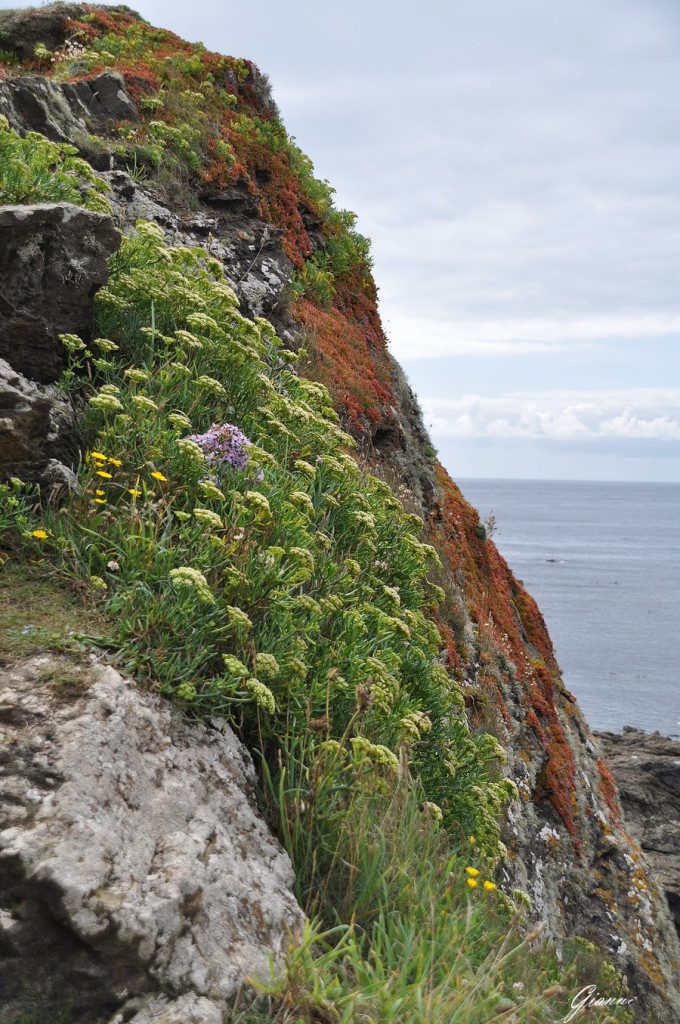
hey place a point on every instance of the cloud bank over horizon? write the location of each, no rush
(635, 414)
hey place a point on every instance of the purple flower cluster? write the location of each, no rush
(222, 445)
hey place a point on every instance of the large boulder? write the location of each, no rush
(138, 881)
(53, 258)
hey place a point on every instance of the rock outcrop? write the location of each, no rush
(646, 768)
(249, 248)
(36, 431)
(22, 30)
(66, 112)
(138, 881)
(53, 258)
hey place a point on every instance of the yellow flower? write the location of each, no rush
(472, 882)
(104, 475)
(115, 462)
(100, 494)
(40, 534)
(489, 886)
(472, 840)
(472, 872)
(159, 476)
(100, 501)
(97, 455)
(134, 491)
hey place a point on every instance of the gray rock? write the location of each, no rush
(53, 258)
(188, 1009)
(646, 767)
(137, 878)
(66, 112)
(250, 249)
(36, 426)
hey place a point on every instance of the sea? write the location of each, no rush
(603, 562)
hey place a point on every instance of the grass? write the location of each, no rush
(40, 613)
(408, 928)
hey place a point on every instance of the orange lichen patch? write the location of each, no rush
(346, 358)
(609, 791)
(607, 897)
(652, 969)
(489, 585)
(100, 20)
(532, 622)
(490, 685)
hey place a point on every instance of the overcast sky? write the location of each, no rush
(516, 164)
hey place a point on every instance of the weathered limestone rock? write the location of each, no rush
(137, 878)
(646, 767)
(36, 423)
(53, 258)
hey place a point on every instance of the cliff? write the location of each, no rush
(192, 142)
(646, 768)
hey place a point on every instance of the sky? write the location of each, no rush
(516, 164)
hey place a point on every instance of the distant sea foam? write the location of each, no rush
(603, 562)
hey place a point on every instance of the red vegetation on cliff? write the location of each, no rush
(498, 603)
(349, 356)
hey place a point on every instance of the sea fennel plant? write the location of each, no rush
(252, 569)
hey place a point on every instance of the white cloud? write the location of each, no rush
(430, 338)
(651, 414)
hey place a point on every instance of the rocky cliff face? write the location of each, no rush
(137, 880)
(568, 844)
(646, 768)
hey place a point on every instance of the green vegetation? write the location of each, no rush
(249, 568)
(35, 170)
(300, 580)
(408, 930)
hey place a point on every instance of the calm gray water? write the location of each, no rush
(603, 562)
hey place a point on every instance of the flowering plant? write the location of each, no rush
(223, 445)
